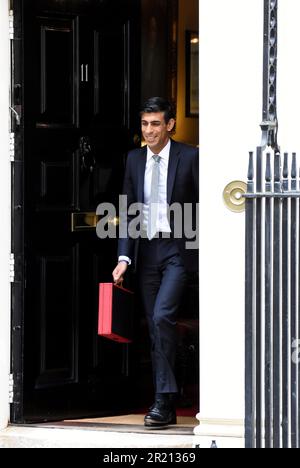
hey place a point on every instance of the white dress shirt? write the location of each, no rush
(162, 223)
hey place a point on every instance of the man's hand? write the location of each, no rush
(119, 272)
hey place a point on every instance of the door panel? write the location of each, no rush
(57, 184)
(109, 54)
(58, 318)
(78, 63)
(57, 39)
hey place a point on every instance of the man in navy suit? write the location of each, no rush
(162, 175)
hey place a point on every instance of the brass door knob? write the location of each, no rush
(233, 196)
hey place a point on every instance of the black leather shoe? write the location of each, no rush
(161, 414)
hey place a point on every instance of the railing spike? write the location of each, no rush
(251, 166)
(268, 168)
(286, 166)
(294, 166)
(277, 167)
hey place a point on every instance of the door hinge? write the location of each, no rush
(12, 268)
(12, 147)
(11, 25)
(11, 388)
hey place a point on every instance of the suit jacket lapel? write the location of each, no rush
(141, 174)
(173, 163)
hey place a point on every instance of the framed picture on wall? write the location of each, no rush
(192, 74)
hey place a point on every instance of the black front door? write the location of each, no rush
(80, 84)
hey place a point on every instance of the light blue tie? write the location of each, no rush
(154, 199)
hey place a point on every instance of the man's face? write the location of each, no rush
(156, 131)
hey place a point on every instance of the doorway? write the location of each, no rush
(76, 92)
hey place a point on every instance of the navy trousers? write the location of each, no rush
(162, 279)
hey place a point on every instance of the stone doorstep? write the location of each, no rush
(24, 437)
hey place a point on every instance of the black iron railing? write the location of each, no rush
(272, 275)
(272, 301)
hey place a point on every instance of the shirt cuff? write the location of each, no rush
(122, 258)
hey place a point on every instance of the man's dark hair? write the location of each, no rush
(158, 104)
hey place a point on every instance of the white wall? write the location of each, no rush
(289, 75)
(231, 35)
(5, 215)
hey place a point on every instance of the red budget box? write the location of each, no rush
(116, 308)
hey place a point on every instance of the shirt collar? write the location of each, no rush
(164, 154)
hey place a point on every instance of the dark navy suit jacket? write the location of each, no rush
(182, 188)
